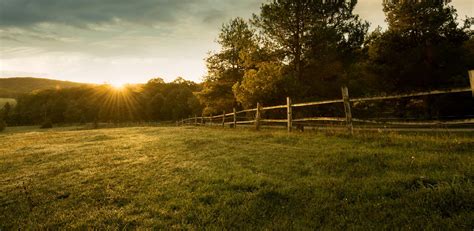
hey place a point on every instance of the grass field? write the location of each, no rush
(3, 101)
(194, 178)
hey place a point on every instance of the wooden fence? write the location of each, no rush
(231, 118)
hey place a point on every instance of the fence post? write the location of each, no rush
(195, 120)
(347, 108)
(223, 119)
(257, 117)
(289, 111)
(235, 118)
(471, 80)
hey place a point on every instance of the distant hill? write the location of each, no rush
(13, 87)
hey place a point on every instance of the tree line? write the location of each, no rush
(153, 101)
(308, 49)
(305, 49)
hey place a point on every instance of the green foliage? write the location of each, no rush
(154, 101)
(171, 101)
(263, 85)
(6, 113)
(303, 49)
(422, 47)
(286, 25)
(300, 47)
(309, 49)
(321, 39)
(74, 113)
(218, 179)
(6, 110)
(226, 67)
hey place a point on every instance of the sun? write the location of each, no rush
(118, 85)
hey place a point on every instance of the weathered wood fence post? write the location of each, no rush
(289, 116)
(195, 120)
(223, 119)
(202, 120)
(347, 109)
(235, 118)
(210, 120)
(257, 117)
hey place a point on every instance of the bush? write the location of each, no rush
(3, 125)
(47, 124)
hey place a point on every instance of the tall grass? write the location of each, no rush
(196, 178)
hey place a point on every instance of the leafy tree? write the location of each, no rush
(264, 85)
(155, 101)
(73, 113)
(334, 48)
(155, 106)
(6, 111)
(171, 101)
(319, 39)
(286, 24)
(226, 67)
(422, 47)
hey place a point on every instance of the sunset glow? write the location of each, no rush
(118, 85)
(163, 39)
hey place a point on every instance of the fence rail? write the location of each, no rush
(346, 101)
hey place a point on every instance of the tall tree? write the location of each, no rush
(422, 47)
(286, 25)
(5, 111)
(315, 36)
(226, 67)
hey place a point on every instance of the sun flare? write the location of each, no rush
(117, 85)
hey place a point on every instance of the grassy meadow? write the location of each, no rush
(214, 178)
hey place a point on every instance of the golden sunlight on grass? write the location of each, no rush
(191, 178)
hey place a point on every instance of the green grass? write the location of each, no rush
(194, 178)
(3, 101)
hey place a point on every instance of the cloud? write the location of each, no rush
(65, 38)
(84, 13)
(105, 27)
(83, 38)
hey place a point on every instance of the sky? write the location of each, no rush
(126, 41)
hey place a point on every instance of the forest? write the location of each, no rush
(304, 49)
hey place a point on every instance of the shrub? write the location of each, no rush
(3, 125)
(47, 124)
